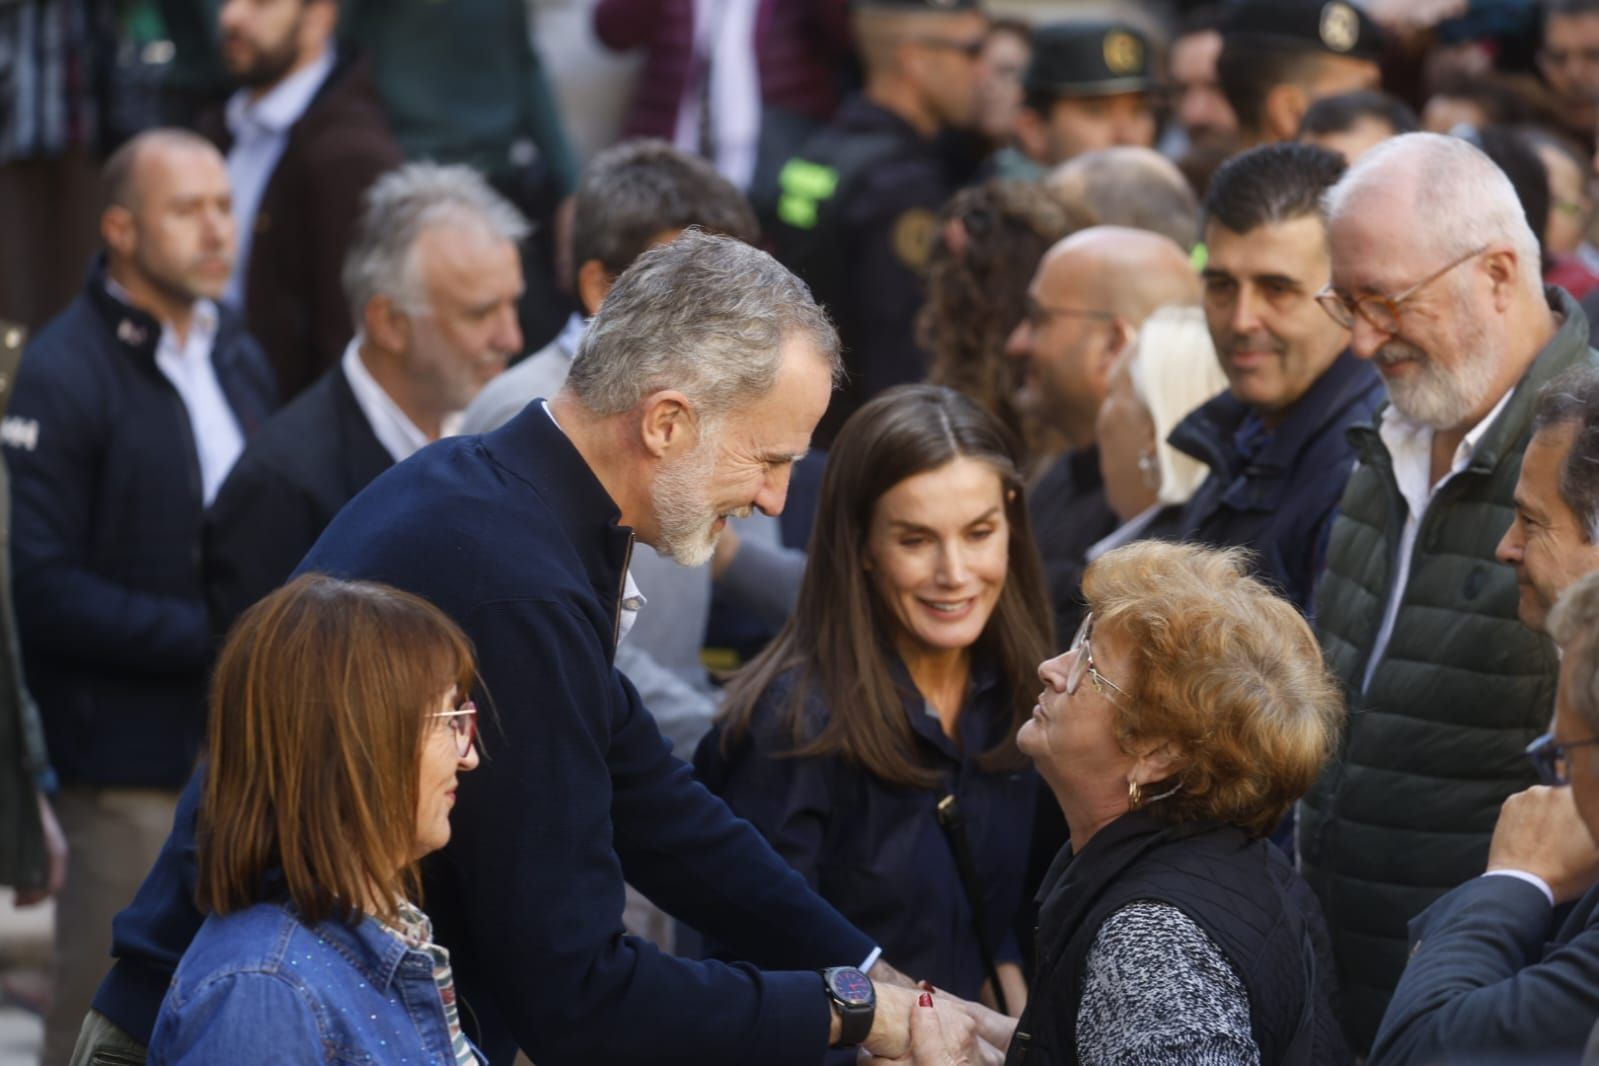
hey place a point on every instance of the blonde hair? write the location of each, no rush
(1223, 669)
(1173, 371)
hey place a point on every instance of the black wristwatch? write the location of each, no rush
(852, 993)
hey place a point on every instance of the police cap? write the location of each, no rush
(1337, 27)
(1089, 58)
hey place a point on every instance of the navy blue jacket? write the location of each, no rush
(309, 460)
(875, 850)
(1487, 984)
(1279, 499)
(514, 537)
(105, 537)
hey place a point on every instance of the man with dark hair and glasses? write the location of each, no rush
(1275, 441)
(856, 209)
(1436, 274)
(1500, 970)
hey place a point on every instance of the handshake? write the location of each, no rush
(924, 1027)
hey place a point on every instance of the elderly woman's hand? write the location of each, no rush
(942, 1035)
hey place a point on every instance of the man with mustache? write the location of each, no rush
(130, 407)
(1436, 273)
(1275, 440)
(304, 136)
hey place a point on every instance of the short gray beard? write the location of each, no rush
(682, 511)
(1443, 399)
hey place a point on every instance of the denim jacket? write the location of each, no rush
(259, 986)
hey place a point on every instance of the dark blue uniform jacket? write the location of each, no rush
(106, 506)
(514, 537)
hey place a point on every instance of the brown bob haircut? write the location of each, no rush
(839, 638)
(319, 711)
(1222, 668)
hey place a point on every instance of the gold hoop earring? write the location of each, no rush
(1135, 795)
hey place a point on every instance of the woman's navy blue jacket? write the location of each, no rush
(875, 850)
(105, 537)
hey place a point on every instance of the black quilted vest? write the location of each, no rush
(1241, 892)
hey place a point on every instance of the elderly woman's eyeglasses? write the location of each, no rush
(1552, 759)
(1381, 311)
(1083, 663)
(463, 723)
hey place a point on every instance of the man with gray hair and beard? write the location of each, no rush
(432, 279)
(1436, 273)
(696, 387)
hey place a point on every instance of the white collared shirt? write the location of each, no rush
(393, 428)
(260, 133)
(218, 440)
(1409, 445)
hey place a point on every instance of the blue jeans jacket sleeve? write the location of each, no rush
(244, 1019)
(1482, 983)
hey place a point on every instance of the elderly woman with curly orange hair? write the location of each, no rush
(1188, 715)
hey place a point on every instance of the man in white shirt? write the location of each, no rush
(305, 135)
(433, 275)
(130, 407)
(1436, 273)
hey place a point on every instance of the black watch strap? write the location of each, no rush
(852, 994)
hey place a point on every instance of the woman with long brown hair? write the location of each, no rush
(340, 719)
(874, 742)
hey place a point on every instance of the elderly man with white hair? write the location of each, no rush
(1436, 273)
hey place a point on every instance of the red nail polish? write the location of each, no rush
(926, 1000)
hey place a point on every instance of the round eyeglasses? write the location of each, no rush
(1083, 664)
(1552, 759)
(463, 723)
(1381, 311)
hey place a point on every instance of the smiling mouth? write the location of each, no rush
(948, 606)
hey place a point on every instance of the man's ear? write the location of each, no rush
(666, 423)
(1285, 105)
(1120, 337)
(593, 283)
(118, 231)
(386, 325)
(1501, 267)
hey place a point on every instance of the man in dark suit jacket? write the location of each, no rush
(305, 135)
(697, 385)
(419, 358)
(1496, 973)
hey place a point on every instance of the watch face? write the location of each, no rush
(852, 986)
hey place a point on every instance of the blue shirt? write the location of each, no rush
(875, 850)
(259, 986)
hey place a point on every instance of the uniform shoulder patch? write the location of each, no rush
(913, 237)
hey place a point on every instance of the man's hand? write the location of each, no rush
(1541, 833)
(55, 846)
(884, 974)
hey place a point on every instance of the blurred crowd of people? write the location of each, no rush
(1053, 533)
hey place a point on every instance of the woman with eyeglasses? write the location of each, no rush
(339, 726)
(874, 742)
(1189, 713)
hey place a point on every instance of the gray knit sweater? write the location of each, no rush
(1158, 992)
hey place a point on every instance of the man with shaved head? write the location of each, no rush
(1274, 441)
(130, 407)
(1087, 301)
(1436, 273)
(1129, 186)
(856, 212)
